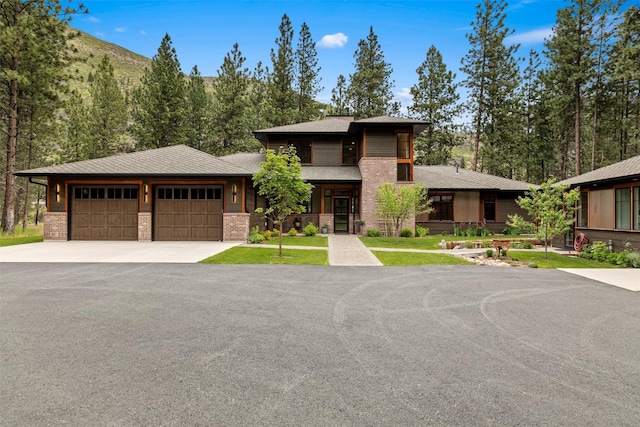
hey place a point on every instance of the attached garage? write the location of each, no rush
(188, 212)
(104, 212)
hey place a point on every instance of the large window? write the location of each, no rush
(404, 155)
(583, 210)
(349, 152)
(303, 150)
(489, 207)
(442, 205)
(623, 208)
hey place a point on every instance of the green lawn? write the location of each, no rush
(316, 241)
(417, 258)
(32, 234)
(428, 242)
(556, 260)
(249, 255)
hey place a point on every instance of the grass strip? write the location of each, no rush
(556, 260)
(397, 259)
(248, 255)
(316, 241)
(19, 240)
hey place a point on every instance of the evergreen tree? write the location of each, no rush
(370, 85)
(159, 110)
(570, 51)
(259, 109)
(492, 81)
(34, 59)
(107, 120)
(199, 107)
(435, 99)
(283, 99)
(73, 146)
(339, 99)
(230, 95)
(307, 72)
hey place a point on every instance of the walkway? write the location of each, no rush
(347, 249)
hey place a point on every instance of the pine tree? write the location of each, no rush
(108, 114)
(259, 108)
(283, 99)
(73, 146)
(307, 73)
(34, 59)
(435, 99)
(339, 99)
(369, 91)
(199, 108)
(492, 81)
(570, 53)
(230, 95)
(159, 110)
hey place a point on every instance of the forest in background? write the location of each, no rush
(569, 109)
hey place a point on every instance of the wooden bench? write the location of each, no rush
(500, 245)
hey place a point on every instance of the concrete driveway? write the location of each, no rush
(111, 251)
(225, 345)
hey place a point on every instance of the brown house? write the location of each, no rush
(179, 193)
(609, 204)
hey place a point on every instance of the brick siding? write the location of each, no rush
(144, 226)
(55, 226)
(235, 226)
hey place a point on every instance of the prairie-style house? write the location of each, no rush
(179, 193)
(609, 205)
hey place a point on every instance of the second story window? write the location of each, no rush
(404, 154)
(404, 146)
(349, 154)
(303, 150)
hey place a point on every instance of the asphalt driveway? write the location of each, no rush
(191, 344)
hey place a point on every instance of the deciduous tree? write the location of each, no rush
(279, 181)
(397, 203)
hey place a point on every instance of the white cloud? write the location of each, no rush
(143, 33)
(404, 94)
(92, 19)
(100, 34)
(119, 29)
(531, 37)
(332, 41)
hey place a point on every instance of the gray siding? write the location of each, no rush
(327, 153)
(381, 143)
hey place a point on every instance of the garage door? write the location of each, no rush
(104, 213)
(188, 212)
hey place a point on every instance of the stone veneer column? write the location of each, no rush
(144, 226)
(55, 226)
(235, 226)
(374, 171)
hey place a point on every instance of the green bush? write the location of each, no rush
(527, 245)
(421, 231)
(373, 232)
(293, 232)
(255, 236)
(406, 232)
(267, 234)
(634, 259)
(310, 230)
(599, 251)
(275, 232)
(489, 253)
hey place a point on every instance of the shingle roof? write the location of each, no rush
(251, 161)
(330, 125)
(177, 160)
(391, 120)
(450, 178)
(625, 169)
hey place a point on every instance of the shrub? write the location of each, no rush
(267, 234)
(255, 236)
(406, 232)
(634, 259)
(293, 232)
(421, 231)
(275, 232)
(486, 244)
(373, 232)
(489, 253)
(310, 230)
(527, 245)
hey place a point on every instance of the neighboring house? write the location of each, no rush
(179, 193)
(609, 204)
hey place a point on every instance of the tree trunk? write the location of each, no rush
(577, 127)
(8, 211)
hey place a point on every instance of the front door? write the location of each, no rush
(341, 215)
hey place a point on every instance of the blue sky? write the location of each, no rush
(203, 31)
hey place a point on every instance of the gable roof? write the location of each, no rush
(176, 160)
(625, 169)
(452, 178)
